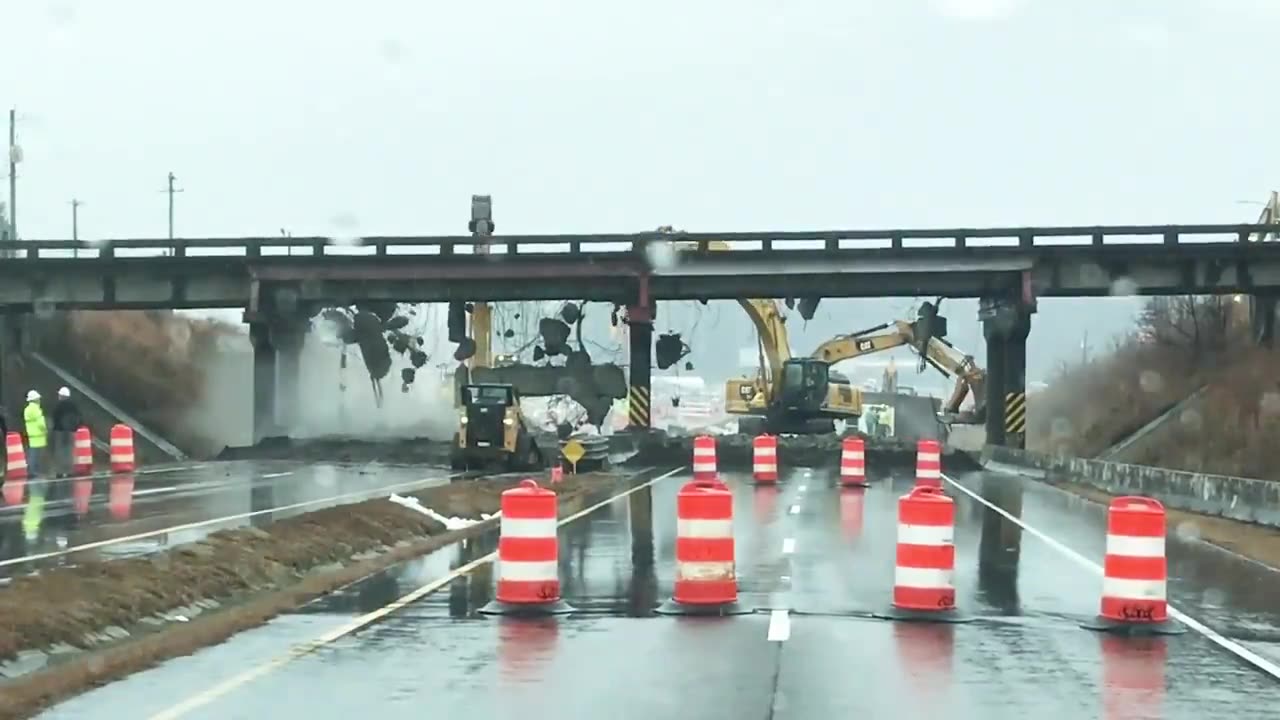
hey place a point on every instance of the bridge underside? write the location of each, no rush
(259, 282)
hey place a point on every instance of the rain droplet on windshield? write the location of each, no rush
(662, 255)
(346, 229)
(1187, 530)
(1150, 381)
(1124, 286)
(1269, 404)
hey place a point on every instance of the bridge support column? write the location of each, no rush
(1006, 326)
(640, 374)
(264, 380)
(288, 340)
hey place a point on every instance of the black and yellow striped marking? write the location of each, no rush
(638, 406)
(1015, 412)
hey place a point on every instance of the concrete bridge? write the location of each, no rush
(281, 281)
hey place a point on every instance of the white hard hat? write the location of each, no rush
(64, 392)
(32, 396)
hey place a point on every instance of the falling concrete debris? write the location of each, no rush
(450, 523)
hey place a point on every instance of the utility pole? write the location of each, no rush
(171, 191)
(15, 154)
(75, 219)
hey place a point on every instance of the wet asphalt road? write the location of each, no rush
(83, 511)
(820, 551)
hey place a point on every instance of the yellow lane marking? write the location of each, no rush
(207, 696)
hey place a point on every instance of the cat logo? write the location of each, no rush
(864, 345)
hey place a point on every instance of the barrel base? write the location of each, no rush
(765, 483)
(556, 607)
(1131, 629)
(850, 484)
(671, 607)
(949, 617)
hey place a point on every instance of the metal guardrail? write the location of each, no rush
(622, 243)
(596, 447)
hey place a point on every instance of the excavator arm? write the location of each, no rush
(935, 351)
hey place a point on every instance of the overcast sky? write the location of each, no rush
(383, 117)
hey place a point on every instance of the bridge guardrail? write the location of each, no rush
(624, 243)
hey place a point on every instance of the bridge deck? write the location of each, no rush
(957, 262)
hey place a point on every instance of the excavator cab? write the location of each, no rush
(492, 430)
(804, 384)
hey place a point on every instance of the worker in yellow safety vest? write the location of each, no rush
(37, 433)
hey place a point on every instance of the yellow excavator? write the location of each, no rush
(798, 395)
(924, 336)
(769, 398)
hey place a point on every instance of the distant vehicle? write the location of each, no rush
(493, 431)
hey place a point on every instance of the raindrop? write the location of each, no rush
(1124, 286)
(312, 288)
(95, 665)
(1269, 404)
(1191, 419)
(1150, 381)
(1187, 530)
(1213, 597)
(1061, 427)
(44, 309)
(62, 14)
(661, 254)
(345, 229)
(286, 299)
(179, 334)
(392, 51)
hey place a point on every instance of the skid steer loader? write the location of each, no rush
(492, 431)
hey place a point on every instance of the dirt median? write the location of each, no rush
(1256, 542)
(68, 629)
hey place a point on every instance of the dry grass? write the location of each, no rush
(61, 605)
(148, 363)
(1090, 407)
(262, 565)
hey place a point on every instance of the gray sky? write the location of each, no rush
(579, 116)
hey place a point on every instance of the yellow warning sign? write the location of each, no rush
(573, 452)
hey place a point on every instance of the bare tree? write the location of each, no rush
(1197, 326)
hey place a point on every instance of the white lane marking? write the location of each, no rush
(153, 491)
(788, 546)
(795, 510)
(207, 696)
(368, 494)
(779, 626)
(268, 476)
(802, 488)
(1209, 633)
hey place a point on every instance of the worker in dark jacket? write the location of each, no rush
(66, 419)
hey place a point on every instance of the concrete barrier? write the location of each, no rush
(1245, 499)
